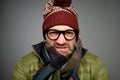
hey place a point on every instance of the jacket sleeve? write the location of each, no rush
(18, 73)
(101, 71)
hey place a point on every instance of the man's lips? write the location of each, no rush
(61, 47)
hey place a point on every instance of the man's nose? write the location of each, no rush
(61, 39)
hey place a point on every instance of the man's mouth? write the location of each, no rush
(62, 48)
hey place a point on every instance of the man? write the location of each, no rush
(61, 55)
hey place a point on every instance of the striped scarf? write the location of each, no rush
(57, 67)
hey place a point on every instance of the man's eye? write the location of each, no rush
(69, 32)
(53, 33)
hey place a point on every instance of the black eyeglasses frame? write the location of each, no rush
(62, 32)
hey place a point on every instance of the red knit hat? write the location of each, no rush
(60, 12)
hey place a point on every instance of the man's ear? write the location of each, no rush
(76, 38)
(44, 36)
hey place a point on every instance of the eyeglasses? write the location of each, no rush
(54, 34)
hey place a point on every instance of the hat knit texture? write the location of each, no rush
(60, 12)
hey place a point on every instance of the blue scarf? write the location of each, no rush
(57, 67)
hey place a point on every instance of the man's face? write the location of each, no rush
(62, 45)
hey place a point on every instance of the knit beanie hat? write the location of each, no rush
(60, 12)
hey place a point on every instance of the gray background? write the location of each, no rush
(20, 27)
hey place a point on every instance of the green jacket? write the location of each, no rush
(91, 67)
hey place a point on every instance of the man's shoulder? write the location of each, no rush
(29, 58)
(91, 62)
(91, 58)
